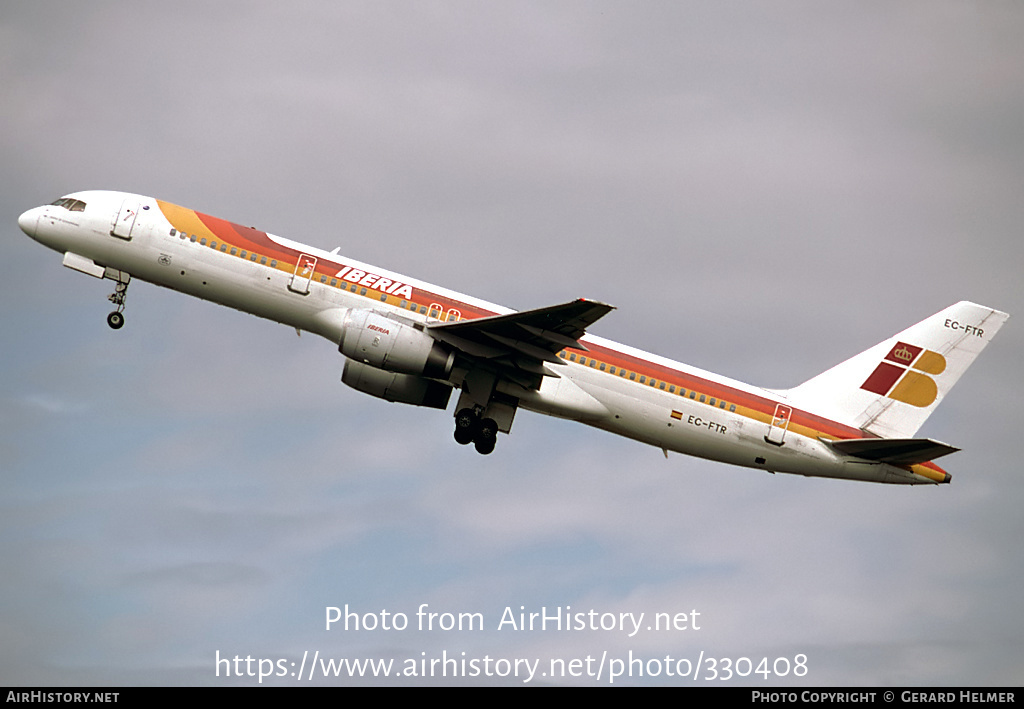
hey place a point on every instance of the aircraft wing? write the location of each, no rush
(897, 451)
(525, 340)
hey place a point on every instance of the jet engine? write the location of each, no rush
(403, 388)
(381, 342)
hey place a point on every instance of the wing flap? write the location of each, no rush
(539, 333)
(530, 350)
(555, 337)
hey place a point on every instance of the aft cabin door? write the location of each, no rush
(304, 269)
(125, 221)
(780, 424)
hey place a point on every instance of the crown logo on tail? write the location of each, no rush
(903, 354)
(903, 375)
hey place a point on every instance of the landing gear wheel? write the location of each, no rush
(115, 320)
(486, 436)
(466, 423)
(484, 447)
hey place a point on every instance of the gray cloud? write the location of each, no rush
(763, 191)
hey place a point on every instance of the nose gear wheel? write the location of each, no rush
(116, 318)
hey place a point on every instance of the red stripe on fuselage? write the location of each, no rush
(252, 239)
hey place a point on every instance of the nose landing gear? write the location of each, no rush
(116, 318)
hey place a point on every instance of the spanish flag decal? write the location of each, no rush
(904, 375)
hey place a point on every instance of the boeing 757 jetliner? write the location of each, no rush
(410, 342)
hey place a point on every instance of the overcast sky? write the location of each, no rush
(762, 189)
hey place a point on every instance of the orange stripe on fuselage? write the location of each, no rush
(185, 220)
(253, 240)
(751, 406)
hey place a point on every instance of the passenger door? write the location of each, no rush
(304, 269)
(125, 220)
(780, 424)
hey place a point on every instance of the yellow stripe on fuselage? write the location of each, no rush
(185, 220)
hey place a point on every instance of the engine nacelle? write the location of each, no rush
(384, 343)
(403, 388)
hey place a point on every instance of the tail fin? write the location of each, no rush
(892, 388)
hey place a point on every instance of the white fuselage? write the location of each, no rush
(664, 403)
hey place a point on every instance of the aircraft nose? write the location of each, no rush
(28, 220)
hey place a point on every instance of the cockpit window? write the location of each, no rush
(72, 205)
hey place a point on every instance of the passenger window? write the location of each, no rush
(234, 251)
(173, 231)
(632, 376)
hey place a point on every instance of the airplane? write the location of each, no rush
(410, 342)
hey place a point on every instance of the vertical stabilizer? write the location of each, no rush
(892, 388)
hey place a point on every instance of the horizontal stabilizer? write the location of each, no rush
(897, 451)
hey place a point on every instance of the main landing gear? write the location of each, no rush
(470, 428)
(116, 318)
